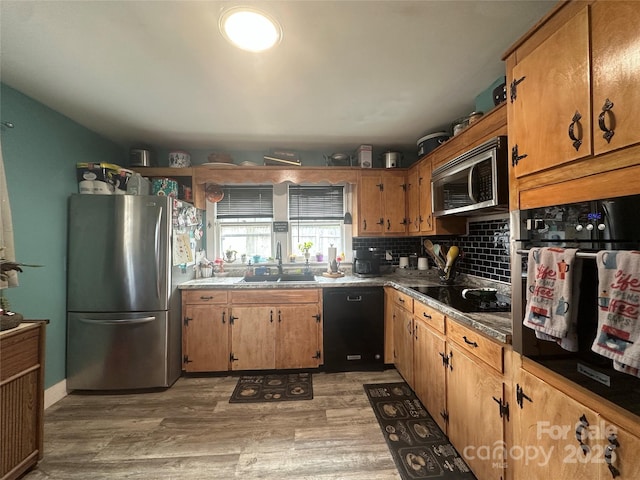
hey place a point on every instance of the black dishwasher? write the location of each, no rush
(353, 328)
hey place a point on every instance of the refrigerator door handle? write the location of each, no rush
(120, 321)
(158, 239)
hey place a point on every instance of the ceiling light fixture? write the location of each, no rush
(250, 29)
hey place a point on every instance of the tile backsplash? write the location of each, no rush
(485, 247)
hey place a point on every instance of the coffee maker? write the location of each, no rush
(365, 262)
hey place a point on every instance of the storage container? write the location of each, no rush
(429, 142)
(365, 156)
(165, 187)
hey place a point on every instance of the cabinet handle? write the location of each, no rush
(521, 396)
(223, 315)
(516, 157)
(381, 221)
(424, 314)
(504, 408)
(445, 359)
(388, 224)
(279, 316)
(576, 141)
(202, 297)
(271, 316)
(514, 88)
(581, 426)
(380, 186)
(609, 455)
(469, 342)
(608, 133)
(429, 221)
(401, 300)
(364, 221)
(450, 361)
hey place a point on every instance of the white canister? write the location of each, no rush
(422, 263)
(404, 262)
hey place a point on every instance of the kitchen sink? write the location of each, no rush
(285, 277)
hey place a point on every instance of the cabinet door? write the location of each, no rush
(615, 45)
(370, 217)
(298, 336)
(475, 424)
(253, 338)
(413, 200)
(205, 339)
(545, 429)
(552, 86)
(424, 180)
(403, 343)
(429, 372)
(394, 202)
(623, 449)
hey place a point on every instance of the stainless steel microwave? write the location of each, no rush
(475, 181)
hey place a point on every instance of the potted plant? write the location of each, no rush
(305, 247)
(9, 319)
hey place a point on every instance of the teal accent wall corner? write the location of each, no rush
(40, 155)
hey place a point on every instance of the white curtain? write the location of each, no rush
(7, 250)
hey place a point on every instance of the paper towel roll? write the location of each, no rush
(404, 262)
(332, 253)
(423, 264)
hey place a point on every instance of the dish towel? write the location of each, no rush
(550, 312)
(618, 335)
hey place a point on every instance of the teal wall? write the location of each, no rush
(40, 154)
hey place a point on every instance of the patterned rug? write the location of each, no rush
(273, 388)
(419, 448)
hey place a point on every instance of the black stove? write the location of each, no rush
(451, 295)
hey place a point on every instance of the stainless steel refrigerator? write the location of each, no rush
(123, 309)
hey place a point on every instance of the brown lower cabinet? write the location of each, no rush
(21, 398)
(251, 329)
(556, 436)
(507, 421)
(460, 382)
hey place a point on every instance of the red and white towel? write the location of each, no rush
(618, 335)
(551, 291)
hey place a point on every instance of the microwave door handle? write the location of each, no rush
(470, 180)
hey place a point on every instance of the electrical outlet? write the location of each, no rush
(388, 255)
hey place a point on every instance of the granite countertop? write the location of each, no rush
(495, 325)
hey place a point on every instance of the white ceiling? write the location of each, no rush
(346, 72)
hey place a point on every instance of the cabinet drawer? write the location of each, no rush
(201, 297)
(275, 296)
(402, 300)
(477, 344)
(18, 353)
(430, 316)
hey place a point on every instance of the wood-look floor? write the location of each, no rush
(191, 431)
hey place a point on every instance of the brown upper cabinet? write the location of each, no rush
(573, 93)
(381, 203)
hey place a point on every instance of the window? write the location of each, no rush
(245, 215)
(316, 214)
(244, 218)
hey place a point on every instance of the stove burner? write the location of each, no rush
(451, 295)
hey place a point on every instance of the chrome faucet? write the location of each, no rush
(279, 257)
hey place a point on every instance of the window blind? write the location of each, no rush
(246, 202)
(316, 203)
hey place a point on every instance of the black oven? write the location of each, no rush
(610, 224)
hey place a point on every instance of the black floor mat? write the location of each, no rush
(273, 388)
(420, 449)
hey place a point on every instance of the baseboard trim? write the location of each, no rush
(55, 393)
